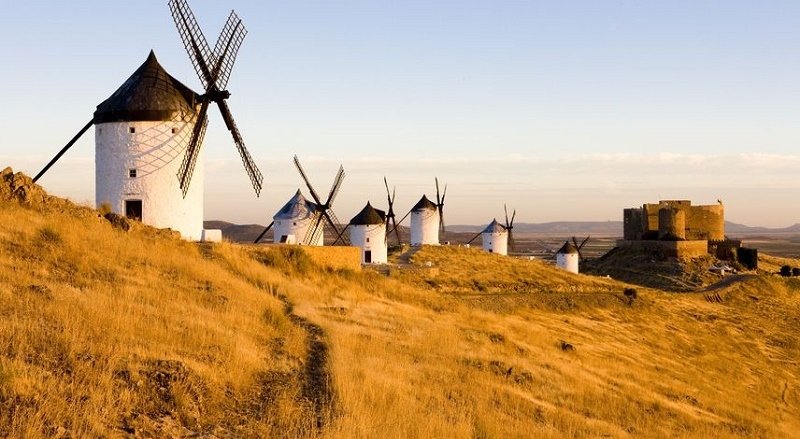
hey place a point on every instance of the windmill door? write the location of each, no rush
(368, 257)
(133, 209)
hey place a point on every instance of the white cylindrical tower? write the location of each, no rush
(567, 258)
(368, 232)
(425, 223)
(293, 221)
(141, 135)
(495, 238)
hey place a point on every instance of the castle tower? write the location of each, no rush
(141, 134)
(368, 231)
(495, 238)
(424, 223)
(293, 221)
(567, 258)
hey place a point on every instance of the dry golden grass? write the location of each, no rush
(421, 356)
(106, 333)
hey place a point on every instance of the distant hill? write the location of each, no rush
(741, 229)
(236, 232)
(249, 232)
(613, 228)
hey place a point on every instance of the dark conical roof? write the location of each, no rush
(424, 204)
(368, 216)
(494, 227)
(296, 208)
(150, 94)
(567, 248)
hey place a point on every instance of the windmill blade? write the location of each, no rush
(63, 150)
(513, 215)
(511, 243)
(584, 242)
(256, 179)
(441, 218)
(227, 48)
(305, 179)
(396, 231)
(264, 232)
(577, 247)
(341, 234)
(332, 221)
(193, 40)
(505, 209)
(193, 150)
(438, 201)
(396, 224)
(386, 183)
(337, 184)
(474, 238)
(312, 234)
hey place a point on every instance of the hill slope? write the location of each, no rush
(113, 333)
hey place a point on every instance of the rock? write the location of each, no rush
(118, 221)
(565, 346)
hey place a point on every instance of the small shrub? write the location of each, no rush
(786, 271)
(49, 235)
(795, 272)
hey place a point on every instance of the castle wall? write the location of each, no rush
(671, 224)
(632, 223)
(672, 249)
(706, 222)
(700, 222)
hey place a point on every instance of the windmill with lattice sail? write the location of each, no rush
(426, 219)
(324, 218)
(213, 67)
(151, 129)
(497, 238)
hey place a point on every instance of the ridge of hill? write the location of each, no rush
(108, 332)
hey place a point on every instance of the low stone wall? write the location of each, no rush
(672, 249)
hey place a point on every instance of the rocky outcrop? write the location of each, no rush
(21, 188)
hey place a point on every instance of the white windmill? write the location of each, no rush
(151, 131)
(368, 232)
(569, 255)
(497, 238)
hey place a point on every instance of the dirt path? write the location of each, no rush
(317, 387)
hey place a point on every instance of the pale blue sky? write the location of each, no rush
(566, 110)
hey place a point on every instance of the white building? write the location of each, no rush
(293, 221)
(424, 223)
(567, 258)
(141, 135)
(495, 238)
(368, 231)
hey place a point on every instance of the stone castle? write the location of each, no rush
(675, 228)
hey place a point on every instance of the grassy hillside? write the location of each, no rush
(112, 333)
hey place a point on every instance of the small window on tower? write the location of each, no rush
(132, 130)
(367, 239)
(174, 130)
(132, 173)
